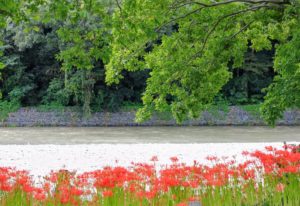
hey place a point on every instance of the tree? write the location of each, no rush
(7, 9)
(84, 38)
(190, 66)
(247, 83)
(188, 46)
(55, 55)
(14, 11)
(79, 25)
(284, 92)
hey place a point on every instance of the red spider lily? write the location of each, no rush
(176, 182)
(75, 191)
(174, 159)
(151, 194)
(279, 161)
(40, 196)
(52, 177)
(28, 188)
(64, 199)
(269, 148)
(46, 187)
(280, 187)
(245, 153)
(107, 193)
(212, 158)
(3, 177)
(154, 159)
(6, 187)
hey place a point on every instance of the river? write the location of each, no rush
(138, 135)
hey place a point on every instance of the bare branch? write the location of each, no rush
(118, 4)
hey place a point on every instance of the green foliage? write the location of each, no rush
(33, 75)
(247, 82)
(16, 82)
(6, 108)
(84, 39)
(253, 109)
(190, 66)
(284, 92)
(178, 54)
(130, 106)
(56, 93)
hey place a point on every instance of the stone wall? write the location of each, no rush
(235, 116)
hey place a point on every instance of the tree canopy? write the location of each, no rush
(189, 46)
(190, 65)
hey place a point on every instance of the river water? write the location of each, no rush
(141, 135)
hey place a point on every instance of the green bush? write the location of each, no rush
(7, 107)
(53, 106)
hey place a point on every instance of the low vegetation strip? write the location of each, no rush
(266, 178)
(229, 115)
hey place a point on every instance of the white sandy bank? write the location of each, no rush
(41, 159)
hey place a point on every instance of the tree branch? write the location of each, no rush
(180, 17)
(254, 8)
(241, 30)
(278, 2)
(4, 13)
(118, 4)
(204, 5)
(262, 4)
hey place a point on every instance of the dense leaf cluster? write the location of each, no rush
(178, 56)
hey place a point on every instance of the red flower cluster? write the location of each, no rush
(279, 161)
(12, 180)
(142, 182)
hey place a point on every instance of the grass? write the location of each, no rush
(252, 109)
(130, 106)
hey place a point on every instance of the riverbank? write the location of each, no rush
(232, 116)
